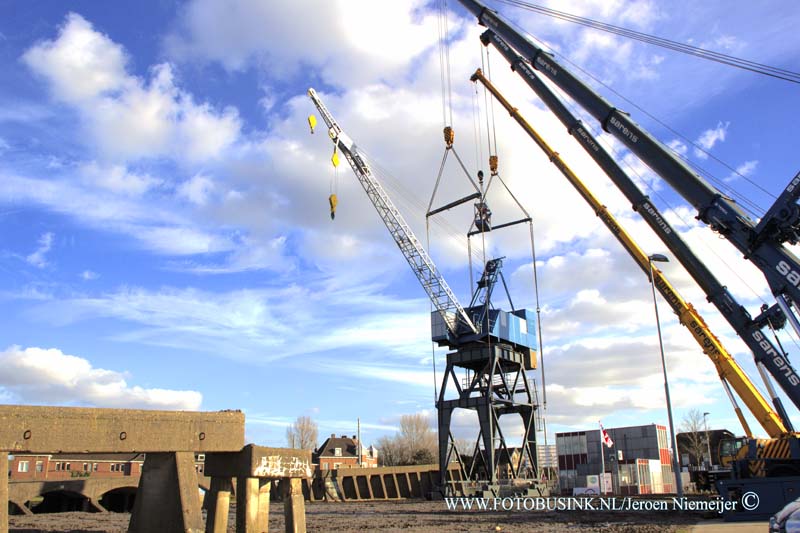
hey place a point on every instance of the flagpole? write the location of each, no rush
(616, 461)
(602, 463)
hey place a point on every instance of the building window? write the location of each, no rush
(336, 465)
(325, 466)
(201, 457)
(85, 467)
(67, 466)
(58, 467)
(337, 452)
(40, 466)
(22, 466)
(94, 467)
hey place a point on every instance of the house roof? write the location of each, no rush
(346, 444)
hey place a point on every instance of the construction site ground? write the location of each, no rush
(418, 516)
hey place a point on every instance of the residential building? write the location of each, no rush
(342, 452)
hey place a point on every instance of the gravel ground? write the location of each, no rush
(398, 516)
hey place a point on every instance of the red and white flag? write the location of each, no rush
(606, 438)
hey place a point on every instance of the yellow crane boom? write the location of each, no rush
(728, 369)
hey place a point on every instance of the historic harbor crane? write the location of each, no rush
(492, 348)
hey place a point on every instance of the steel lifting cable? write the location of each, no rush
(734, 171)
(733, 61)
(743, 200)
(539, 331)
(538, 305)
(652, 190)
(495, 173)
(447, 104)
(433, 344)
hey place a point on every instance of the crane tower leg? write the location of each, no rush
(497, 385)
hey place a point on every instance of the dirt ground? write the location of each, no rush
(408, 516)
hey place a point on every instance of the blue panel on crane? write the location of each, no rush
(517, 328)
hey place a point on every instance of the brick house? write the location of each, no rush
(342, 452)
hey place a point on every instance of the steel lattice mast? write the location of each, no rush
(429, 277)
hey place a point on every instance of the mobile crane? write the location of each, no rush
(761, 244)
(728, 369)
(495, 348)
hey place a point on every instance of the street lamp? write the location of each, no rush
(675, 465)
(708, 441)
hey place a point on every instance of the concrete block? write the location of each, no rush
(263, 506)
(260, 462)
(3, 492)
(219, 505)
(294, 510)
(247, 504)
(167, 499)
(38, 429)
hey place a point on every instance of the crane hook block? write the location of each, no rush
(493, 164)
(312, 122)
(333, 201)
(335, 158)
(449, 136)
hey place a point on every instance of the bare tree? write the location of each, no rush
(695, 443)
(465, 447)
(390, 452)
(414, 444)
(302, 434)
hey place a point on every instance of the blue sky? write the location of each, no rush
(166, 241)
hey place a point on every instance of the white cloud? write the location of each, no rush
(117, 179)
(678, 146)
(82, 64)
(159, 227)
(240, 33)
(249, 255)
(37, 258)
(709, 138)
(746, 169)
(257, 325)
(88, 275)
(37, 375)
(197, 189)
(127, 117)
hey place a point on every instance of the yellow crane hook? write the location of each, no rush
(333, 201)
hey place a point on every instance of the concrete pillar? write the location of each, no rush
(247, 497)
(369, 486)
(263, 506)
(383, 486)
(3, 492)
(294, 505)
(219, 504)
(23, 508)
(167, 499)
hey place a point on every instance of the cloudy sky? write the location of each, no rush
(166, 240)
